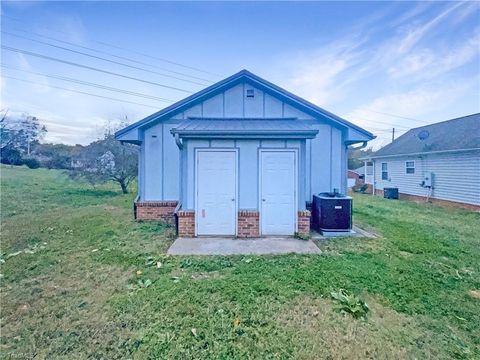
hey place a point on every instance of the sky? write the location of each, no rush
(377, 64)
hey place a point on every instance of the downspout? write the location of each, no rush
(178, 141)
(373, 185)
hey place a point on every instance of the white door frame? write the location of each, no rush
(260, 202)
(197, 150)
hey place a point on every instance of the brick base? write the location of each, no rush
(186, 223)
(441, 202)
(369, 189)
(248, 223)
(304, 222)
(156, 210)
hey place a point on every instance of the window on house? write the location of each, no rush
(384, 171)
(410, 167)
(250, 93)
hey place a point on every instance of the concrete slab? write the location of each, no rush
(229, 246)
(355, 232)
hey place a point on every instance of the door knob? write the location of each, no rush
(233, 199)
(263, 199)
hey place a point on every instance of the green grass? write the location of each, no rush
(73, 291)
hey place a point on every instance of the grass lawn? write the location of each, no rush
(80, 280)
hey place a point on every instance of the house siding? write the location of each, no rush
(456, 176)
(321, 159)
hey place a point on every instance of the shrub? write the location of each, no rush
(10, 156)
(350, 303)
(32, 163)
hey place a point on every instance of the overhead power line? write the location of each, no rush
(132, 51)
(26, 52)
(103, 59)
(81, 92)
(110, 54)
(400, 117)
(100, 86)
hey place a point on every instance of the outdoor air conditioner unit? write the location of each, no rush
(428, 180)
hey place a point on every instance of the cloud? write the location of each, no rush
(428, 63)
(415, 34)
(418, 103)
(406, 51)
(317, 75)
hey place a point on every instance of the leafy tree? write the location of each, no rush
(107, 160)
(56, 156)
(354, 156)
(18, 134)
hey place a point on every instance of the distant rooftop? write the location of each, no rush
(456, 134)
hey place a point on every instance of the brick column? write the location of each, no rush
(156, 210)
(304, 222)
(248, 223)
(186, 223)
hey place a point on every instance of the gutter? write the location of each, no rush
(364, 144)
(419, 153)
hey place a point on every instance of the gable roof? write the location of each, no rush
(239, 77)
(452, 135)
(360, 170)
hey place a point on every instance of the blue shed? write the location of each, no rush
(242, 157)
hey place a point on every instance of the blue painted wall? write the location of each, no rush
(322, 161)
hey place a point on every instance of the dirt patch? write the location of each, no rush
(474, 294)
(317, 329)
(405, 254)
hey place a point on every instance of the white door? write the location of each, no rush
(216, 192)
(278, 192)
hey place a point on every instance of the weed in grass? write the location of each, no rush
(348, 303)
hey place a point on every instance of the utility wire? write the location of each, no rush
(92, 68)
(385, 123)
(100, 86)
(102, 58)
(398, 116)
(112, 55)
(131, 51)
(81, 92)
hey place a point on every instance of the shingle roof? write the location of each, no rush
(456, 134)
(289, 127)
(360, 170)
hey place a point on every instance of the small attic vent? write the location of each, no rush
(250, 93)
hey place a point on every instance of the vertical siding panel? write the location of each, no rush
(248, 169)
(213, 107)
(253, 106)
(234, 102)
(171, 165)
(336, 159)
(290, 111)
(273, 107)
(308, 170)
(320, 160)
(195, 111)
(153, 167)
(222, 143)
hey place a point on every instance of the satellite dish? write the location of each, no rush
(423, 135)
